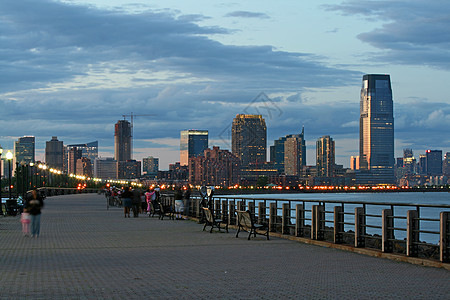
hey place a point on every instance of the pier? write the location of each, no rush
(86, 251)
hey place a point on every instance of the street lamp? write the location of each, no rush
(9, 156)
(1, 205)
(32, 175)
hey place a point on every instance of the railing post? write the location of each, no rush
(299, 220)
(241, 205)
(232, 213)
(317, 224)
(387, 229)
(285, 219)
(261, 213)
(313, 222)
(360, 226)
(251, 208)
(338, 225)
(217, 210)
(272, 217)
(445, 237)
(198, 212)
(225, 210)
(412, 238)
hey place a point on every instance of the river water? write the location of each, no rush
(433, 198)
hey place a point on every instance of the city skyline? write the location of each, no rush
(198, 64)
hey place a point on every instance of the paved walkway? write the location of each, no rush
(88, 252)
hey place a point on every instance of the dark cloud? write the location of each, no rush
(415, 32)
(247, 14)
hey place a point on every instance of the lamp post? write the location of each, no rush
(31, 175)
(9, 156)
(1, 165)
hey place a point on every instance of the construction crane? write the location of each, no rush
(132, 116)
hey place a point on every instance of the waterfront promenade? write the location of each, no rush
(88, 252)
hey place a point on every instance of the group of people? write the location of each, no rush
(138, 201)
(31, 215)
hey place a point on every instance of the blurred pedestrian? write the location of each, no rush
(25, 219)
(179, 205)
(34, 205)
(136, 202)
(126, 196)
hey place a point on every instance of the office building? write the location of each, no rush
(277, 154)
(248, 139)
(88, 150)
(54, 154)
(122, 141)
(354, 162)
(214, 167)
(376, 148)
(74, 154)
(24, 150)
(325, 156)
(130, 169)
(192, 144)
(150, 166)
(446, 165)
(433, 162)
(84, 167)
(105, 168)
(294, 155)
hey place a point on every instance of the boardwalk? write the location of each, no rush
(88, 252)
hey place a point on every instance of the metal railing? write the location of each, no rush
(416, 230)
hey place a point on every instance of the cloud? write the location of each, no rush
(247, 14)
(414, 32)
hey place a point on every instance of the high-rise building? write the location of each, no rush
(325, 156)
(150, 165)
(54, 154)
(192, 144)
(294, 155)
(123, 141)
(24, 150)
(214, 167)
(74, 154)
(376, 138)
(248, 139)
(277, 154)
(105, 168)
(88, 150)
(84, 167)
(433, 162)
(446, 164)
(130, 169)
(354, 162)
(422, 164)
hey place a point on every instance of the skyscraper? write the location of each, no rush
(325, 156)
(54, 153)
(24, 150)
(433, 162)
(446, 164)
(192, 144)
(277, 154)
(88, 150)
(248, 139)
(150, 165)
(122, 141)
(294, 154)
(376, 131)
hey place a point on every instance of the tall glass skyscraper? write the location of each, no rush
(192, 143)
(376, 131)
(54, 153)
(24, 150)
(325, 156)
(248, 139)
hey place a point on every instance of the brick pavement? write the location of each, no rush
(88, 252)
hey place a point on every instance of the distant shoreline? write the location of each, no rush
(317, 191)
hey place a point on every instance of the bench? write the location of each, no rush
(162, 210)
(246, 223)
(210, 220)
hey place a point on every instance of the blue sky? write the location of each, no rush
(72, 68)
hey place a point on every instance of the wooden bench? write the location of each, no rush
(210, 220)
(246, 223)
(161, 210)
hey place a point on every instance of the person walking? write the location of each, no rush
(34, 205)
(126, 201)
(136, 202)
(179, 205)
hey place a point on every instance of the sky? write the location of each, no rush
(73, 68)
